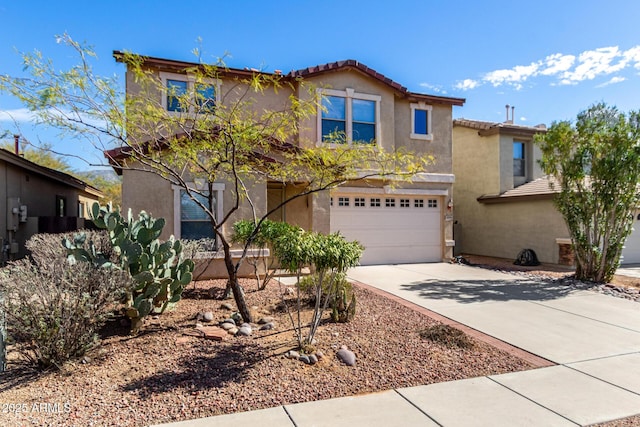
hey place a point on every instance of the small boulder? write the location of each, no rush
(232, 331)
(207, 316)
(227, 326)
(229, 321)
(292, 354)
(265, 320)
(244, 331)
(313, 359)
(304, 358)
(346, 356)
(267, 327)
(227, 306)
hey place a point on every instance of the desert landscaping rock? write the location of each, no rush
(227, 306)
(265, 320)
(313, 359)
(232, 331)
(244, 331)
(213, 333)
(227, 326)
(229, 321)
(319, 355)
(292, 354)
(207, 316)
(347, 356)
(305, 359)
(267, 326)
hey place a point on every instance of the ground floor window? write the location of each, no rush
(191, 221)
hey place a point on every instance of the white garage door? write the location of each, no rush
(631, 251)
(393, 229)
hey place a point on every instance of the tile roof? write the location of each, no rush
(538, 189)
(490, 128)
(174, 65)
(352, 63)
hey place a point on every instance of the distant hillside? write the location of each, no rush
(106, 175)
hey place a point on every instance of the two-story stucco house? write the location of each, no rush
(503, 203)
(409, 221)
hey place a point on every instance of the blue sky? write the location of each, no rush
(550, 59)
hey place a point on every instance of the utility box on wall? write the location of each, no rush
(13, 213)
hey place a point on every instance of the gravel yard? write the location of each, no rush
(167, 373)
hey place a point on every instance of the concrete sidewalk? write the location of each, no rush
(594, 339)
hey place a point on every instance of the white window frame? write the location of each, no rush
(349, 95)
(424, 107)
(523, 159)
(191, 81)
(218, 188)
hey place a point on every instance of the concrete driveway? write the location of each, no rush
(594, 339)
(557, 323)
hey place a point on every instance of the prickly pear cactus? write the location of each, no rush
(158, 270)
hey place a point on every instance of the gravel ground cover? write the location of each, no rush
(170, 373)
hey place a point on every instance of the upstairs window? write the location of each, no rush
(421, 121)
(347, 117)
(182, 94)
(519, 167)
(176, 90)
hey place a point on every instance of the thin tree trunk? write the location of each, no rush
(238, 294)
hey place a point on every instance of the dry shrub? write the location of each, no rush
(447, 336)
(54, 309)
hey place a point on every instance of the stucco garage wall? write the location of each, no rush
(503, 229)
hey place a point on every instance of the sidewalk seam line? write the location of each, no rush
(533, 401)
(284, 407)
(601, 380)
(418, 408)
(583, 316)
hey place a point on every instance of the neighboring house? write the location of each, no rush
(401, 223)
(35, 199)
(503, 203)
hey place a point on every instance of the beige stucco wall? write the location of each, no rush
(503, 229)
(483, 165)
(360, 84)
(149, 192)
(439, 147)
(38, 193)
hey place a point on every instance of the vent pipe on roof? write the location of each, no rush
(513, 118)
(512, 111)
(16, 144)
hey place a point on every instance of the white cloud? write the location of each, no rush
(612, 81)
(513, 76)
(567, 69)
(556, 63)
(17, 115)
(467, 84)
(433, 88)
(523, 119)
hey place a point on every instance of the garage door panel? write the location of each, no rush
(391, 234)
(631, 250)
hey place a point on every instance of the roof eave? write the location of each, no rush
(493, 199)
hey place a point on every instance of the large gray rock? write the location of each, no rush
(346, 356)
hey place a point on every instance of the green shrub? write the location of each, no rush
(54, 310)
